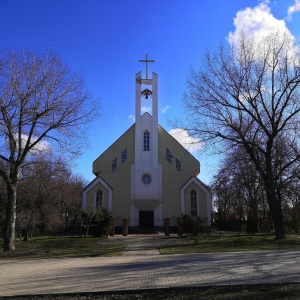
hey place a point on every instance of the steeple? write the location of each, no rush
(146, 89)
(146, 61)
(146, 167)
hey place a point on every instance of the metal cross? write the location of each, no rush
(146, 61)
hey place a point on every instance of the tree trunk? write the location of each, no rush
(10, 222)
(25, 234)
(276, 214)
(252, 221)
(27, 230)
(277, 218)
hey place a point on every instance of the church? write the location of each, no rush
(146, 175)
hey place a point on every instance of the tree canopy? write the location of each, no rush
(44, 106)
(247, 94)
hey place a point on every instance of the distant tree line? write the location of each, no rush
(239, 195)
(48, 199)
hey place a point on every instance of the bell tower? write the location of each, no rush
(146, 175)
(146, 89)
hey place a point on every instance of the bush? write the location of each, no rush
(105, 222)
(194, 225)
(99, 222)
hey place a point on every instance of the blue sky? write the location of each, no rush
(104, 40)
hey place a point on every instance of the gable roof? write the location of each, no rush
(198, 182)
(95, 181)
(178, 143)
(166, 132)
(132, 126)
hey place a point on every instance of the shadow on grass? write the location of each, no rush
(63, 247)
(231, 243)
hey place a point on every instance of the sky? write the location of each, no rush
(105, 39)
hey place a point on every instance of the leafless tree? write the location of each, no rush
(49, 197)
(69, 190)
(42, 105)
(247, 94)
(243, 189)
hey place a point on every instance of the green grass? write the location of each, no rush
(242, 292)
(230, 243)
(63, 247)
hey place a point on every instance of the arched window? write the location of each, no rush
(114, 164)
(124, 156)
(99, 199)
(178, 165)
(146, 141)
(194, 204)
(168, 155)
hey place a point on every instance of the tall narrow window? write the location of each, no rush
(194, 206)
(124, 156)
(146, 140)
(114, 164)
(168, 155)
(99, 198)
(178, 165)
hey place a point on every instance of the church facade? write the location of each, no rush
(146, 175)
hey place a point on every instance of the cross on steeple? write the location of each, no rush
(146, 61)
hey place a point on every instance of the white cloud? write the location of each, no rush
(132, 118)
(144, 109)
(259, 27)
(147, 109)
(165, 109)
(192, 144)
(42, 146)
(257, 21)
(293, 9)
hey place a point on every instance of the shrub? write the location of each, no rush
(99, 222)
(194, 225)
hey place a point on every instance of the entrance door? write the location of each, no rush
(146, 219)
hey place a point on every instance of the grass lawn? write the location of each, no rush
(62, 247)
(230, 243)
(257, 292)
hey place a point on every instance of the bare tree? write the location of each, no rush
(70, 188)
(49, 197)
(42, 105)
(247, 94)
(244, 189)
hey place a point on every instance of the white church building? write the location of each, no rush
(146, 175)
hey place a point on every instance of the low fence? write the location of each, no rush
(134, 222)
(167, 225)
(263, 226)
